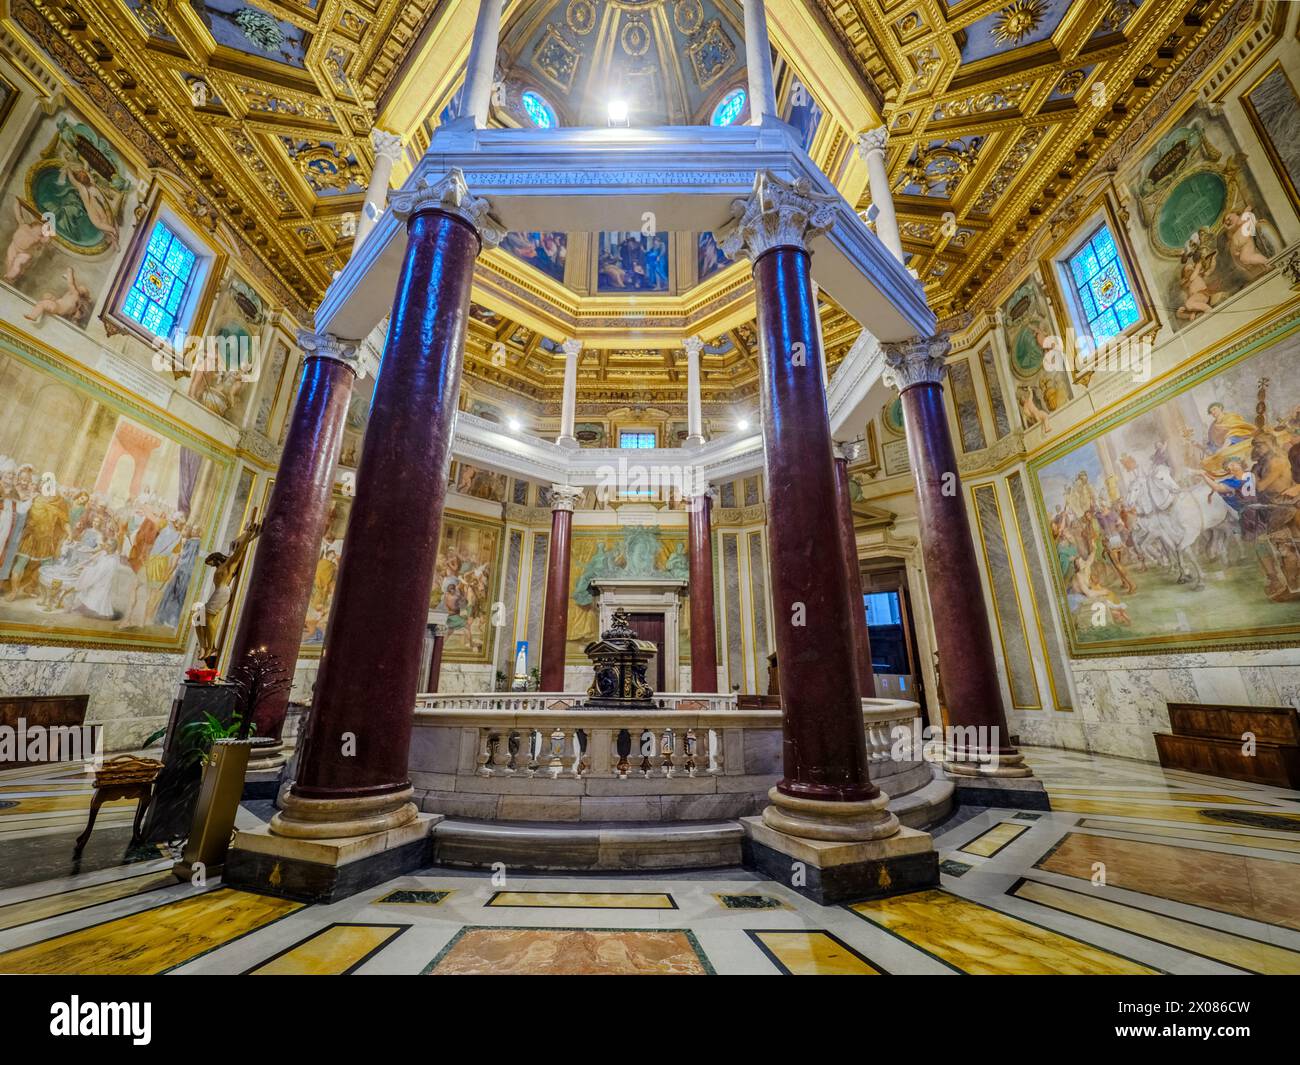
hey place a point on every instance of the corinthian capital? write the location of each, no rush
(778, 214)
(449, 193)
(693, 346)
(387, 145)
(572, 348)
(919, 361)
(873, 140)
(564, 497)
(328, 346)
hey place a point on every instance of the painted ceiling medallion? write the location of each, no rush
(557, 58)
(688, 15)
(711, 53)
(1018, 21)
(634, 38)
(580, 16)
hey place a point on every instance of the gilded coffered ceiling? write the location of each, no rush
(995, 108)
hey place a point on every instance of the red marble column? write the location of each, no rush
(704, 626)
(555, 619)
(825, 754)
(352, 773)
(853, 579)
(288, 547)
(435, 658)
(961, 623)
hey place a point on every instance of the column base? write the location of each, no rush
(268, 757)
(966, 763)
(694, 442)
(262, 783)
(568, 442)
(327, 870)
(834, 822)
(1014, 793)
(830, 873)
(301, 818)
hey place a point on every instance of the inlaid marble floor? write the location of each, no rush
(1137, 870)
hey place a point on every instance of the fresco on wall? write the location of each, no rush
(1032, 338)
(63, 212)
(1179, 522)
(637, 551)
(463, 586)
(632, 262)
(481, 484)
(103, 511)
(326, 575)
(546, 251)
(709, 257)
(238, 316)
(1203, 218)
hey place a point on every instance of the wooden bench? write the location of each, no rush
(1211, 738)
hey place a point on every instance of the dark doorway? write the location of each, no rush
(651, 627)
(892, 630)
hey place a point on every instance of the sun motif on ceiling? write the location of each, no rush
(1013, 24)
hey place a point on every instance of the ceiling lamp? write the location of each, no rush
(618, 112)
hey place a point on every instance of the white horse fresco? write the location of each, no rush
(1171, 518)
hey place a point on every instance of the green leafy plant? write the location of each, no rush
(197, 737)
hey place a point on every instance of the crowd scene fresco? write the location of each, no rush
(101, 517)
(1183, 522)
(633, 262)
(462, 586)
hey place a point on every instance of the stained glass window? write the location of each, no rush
(158, 293)
(539, 111)
(729, 108)
(1102, 286)
(628, 439)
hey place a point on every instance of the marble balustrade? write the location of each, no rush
(539, 756)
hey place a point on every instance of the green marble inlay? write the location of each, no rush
(751, 902)
(1027, 816)
(953, 868)
(426, 898)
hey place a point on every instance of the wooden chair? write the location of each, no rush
(123, 777)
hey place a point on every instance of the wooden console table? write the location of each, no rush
(1209, 738)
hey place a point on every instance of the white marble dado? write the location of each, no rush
(130, 692)
(1121, 702)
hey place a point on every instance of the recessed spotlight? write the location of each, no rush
(618, 112)
(514, 424)
(743, 424)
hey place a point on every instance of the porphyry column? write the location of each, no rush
(352, 776)
(555, 621)
(978, 752)
(439, 630)
(826, 792)
(704, 630)
(288, 548)
(853, 576)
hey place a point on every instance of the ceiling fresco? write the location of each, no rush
(995, 109)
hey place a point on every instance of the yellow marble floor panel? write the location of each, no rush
(152, 941)
(53, 788)
(571, 951)
(1262, 889)
(978, 940)
(989, 843)
(603, 900)
(1274, 841)
(1252, 955)
(800, 953)
(108, 816)
(54, 803)
(30, 910)
(333, 951)
(1155, 813)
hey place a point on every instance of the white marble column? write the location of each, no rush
(388, 149)
(871, 146)
(758, 63)
(694, 403)
(569, 411)
(481, 68)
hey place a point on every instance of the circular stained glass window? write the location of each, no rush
(539, 111)
(729, 108)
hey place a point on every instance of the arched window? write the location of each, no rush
(539, 111)
(729, 108)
